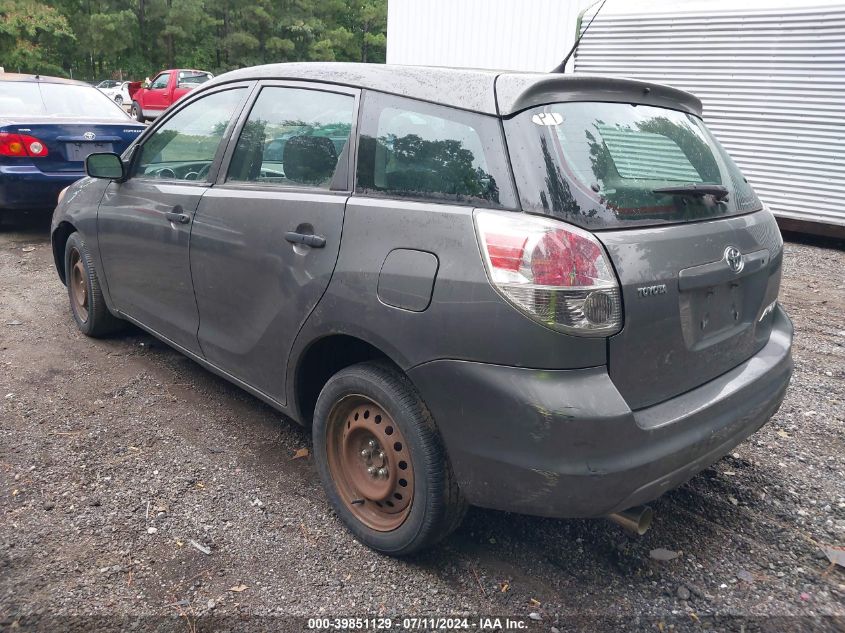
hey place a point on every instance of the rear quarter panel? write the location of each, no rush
(466, 318)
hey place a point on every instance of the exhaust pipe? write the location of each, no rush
(636, 519)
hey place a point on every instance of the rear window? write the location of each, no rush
(31, 98)
(599, 165)
(192, 79)
(417, 150)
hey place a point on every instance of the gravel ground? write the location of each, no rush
(117, 456)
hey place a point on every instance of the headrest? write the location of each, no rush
(309, 160)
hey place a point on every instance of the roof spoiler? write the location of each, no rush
(518, 91)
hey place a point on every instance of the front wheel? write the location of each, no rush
(382, 461)
(136, 113)
(119, 100)
(87, 304)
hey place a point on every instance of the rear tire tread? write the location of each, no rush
(137, 112)
(454, 507)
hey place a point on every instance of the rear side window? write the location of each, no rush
(604, 165)
(422, 151)
(294, 137)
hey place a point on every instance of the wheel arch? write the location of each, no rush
(59, 239)
(321, 359)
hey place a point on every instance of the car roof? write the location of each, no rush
(41, 79)
(180, 70)
(486, 91)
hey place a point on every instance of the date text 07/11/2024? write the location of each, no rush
(417, 623)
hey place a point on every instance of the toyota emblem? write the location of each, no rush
(89, 136)
(734, 259)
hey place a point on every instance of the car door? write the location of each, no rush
(156, 98)
(265, 239)
(144, 223)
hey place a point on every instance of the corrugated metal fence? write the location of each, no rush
(772, 83)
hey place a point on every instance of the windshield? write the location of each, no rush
(603, 165)
(31, 98)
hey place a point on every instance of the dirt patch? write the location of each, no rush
(116, 454)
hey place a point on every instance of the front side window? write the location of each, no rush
(294, 137)
(604, 165)
(184, 147)
(160, 81)
(417, 150)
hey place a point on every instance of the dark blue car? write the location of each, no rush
(47, 128)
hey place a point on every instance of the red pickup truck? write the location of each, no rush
(164, 90)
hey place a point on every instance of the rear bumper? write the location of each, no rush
(565, 443)
(27, 187)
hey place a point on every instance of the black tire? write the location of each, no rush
(119, 100)
(136, 112)
(92, 316)
(437, 507)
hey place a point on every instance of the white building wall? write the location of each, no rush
(771, 76)
(771, 73)
(498, 34)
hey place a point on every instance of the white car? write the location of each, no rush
(118, 91)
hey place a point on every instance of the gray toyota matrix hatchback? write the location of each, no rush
(542, 293)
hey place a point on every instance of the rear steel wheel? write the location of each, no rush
(382, 461)
(370, 463)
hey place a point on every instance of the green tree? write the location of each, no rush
(98, 39)
(30, 35)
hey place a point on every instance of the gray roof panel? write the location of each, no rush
(471, 89)
(459, 88)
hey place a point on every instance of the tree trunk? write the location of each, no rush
(171, 46)
(142, 24)
(226, 33)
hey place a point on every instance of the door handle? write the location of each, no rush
(177, 216)
(309, 239)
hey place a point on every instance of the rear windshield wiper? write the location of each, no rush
(717, 191)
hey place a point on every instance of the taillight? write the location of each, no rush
(20, 145)
(554, 272)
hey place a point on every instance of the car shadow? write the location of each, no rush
(710, 518)
(31, 223)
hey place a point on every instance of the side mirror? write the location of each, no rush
(105, 165)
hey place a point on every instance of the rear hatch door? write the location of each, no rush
(695, 301)
(697, 257)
